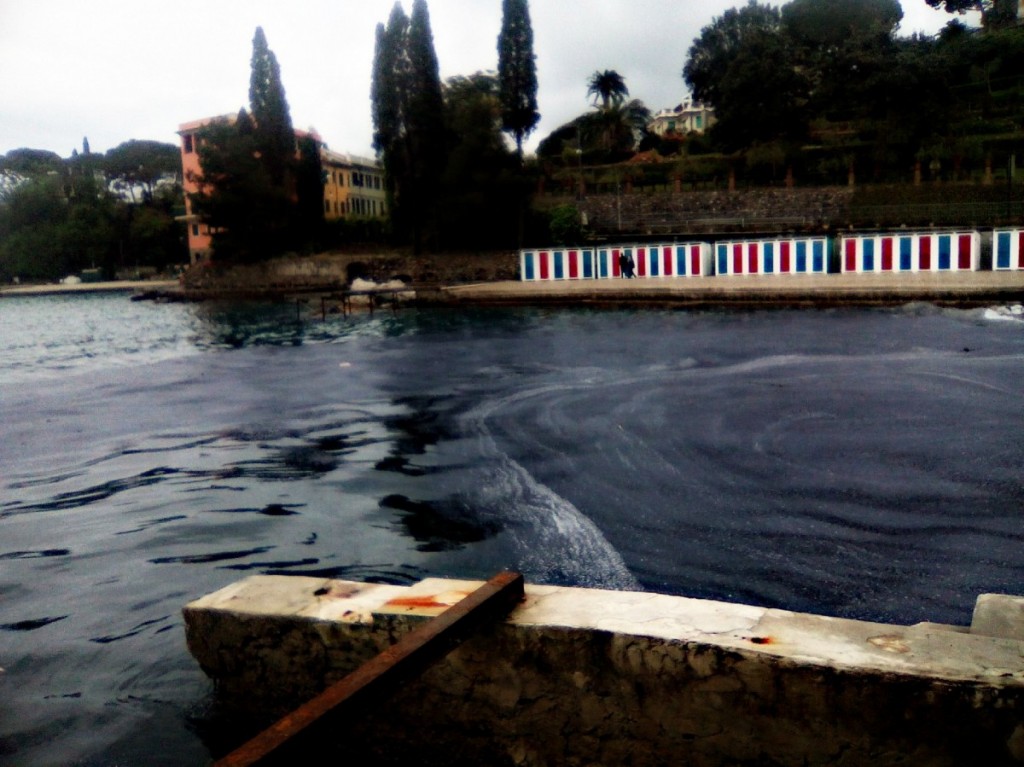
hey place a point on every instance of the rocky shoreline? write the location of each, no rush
(333, 272)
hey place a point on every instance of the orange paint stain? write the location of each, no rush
(426, 603)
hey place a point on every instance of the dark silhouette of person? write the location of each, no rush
(623, 265)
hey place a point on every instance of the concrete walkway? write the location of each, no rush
(89, 287)
(960, 288)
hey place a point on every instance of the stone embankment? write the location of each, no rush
(335, 271)
(588, 677)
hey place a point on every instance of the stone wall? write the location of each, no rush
(586, 677)
(683, 213)
(333, 271)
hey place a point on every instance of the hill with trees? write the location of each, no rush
(112, 211)
(824, 92)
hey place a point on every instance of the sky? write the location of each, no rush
(115, 70)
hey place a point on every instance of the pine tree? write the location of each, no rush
(517, 72)
(275, 136)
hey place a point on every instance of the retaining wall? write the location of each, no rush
(332, 271)
(588, 677)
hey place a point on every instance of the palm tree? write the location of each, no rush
(608, 86)
(617, 128)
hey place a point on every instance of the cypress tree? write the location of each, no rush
(385, 114)
(309, 192)
(249, 214)
(387, 95)
(275, 136)
(408, 119)
(425, 113)
(390, 94)
(424, 121)
(517, 72)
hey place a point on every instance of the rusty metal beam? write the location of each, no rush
(413, 654)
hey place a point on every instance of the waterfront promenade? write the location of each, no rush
(960, 288)
(978, 288)
(89, 287)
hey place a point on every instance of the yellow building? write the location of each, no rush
(353, 187)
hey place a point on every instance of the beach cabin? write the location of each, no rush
(556, 264)
(911, 252)
(805, 255)
(1008, 249)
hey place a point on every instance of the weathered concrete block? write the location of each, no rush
(581, 677)
(999, 615)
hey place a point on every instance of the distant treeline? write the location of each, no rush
(826, 92)
(113, 211)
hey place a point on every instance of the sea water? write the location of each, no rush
(859, 463)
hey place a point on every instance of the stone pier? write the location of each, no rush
(589, 677)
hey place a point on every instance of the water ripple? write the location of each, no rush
(31, 624)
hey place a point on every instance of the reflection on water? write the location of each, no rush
(858, 463)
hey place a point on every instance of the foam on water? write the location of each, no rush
(1012, 313)
(554, 541)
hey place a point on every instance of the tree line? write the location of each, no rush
(451, 180)
(113, 211)
(825, 91)
(833, 75)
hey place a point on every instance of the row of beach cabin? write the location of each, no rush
(868, 253)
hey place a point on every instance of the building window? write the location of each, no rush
(327, 206)
(188, 144)
(195, 230)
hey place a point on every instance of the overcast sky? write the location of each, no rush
(114, 70)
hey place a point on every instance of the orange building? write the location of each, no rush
(353, 186)
(198, 232)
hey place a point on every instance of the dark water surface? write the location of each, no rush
(855, 463)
